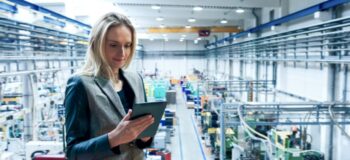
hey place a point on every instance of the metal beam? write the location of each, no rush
(232, 124)
(35, 71)
(225, 4)
(293, 16)
(8, 8)
(47, 11)
(226, 29)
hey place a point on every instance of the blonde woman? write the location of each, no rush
(99, 98)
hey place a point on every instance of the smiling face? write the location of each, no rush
(118, 46)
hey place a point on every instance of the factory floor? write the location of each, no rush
(187, 144)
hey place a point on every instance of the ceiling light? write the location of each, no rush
(240, 10)
(156, 7)
(199, 38)
(181, 40)
(164, 35)
(184, 35)
(223, 21)
(195, 41)
(188, 26)
(317, 14)
(191, 20)
(273, 28)
(197, 8)
(162, 26)
(151, 39)
(159, 18)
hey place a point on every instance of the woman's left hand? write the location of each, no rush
(145, 139)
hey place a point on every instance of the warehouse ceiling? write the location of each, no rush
(166, 19)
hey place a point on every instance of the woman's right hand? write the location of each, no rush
(128, 130)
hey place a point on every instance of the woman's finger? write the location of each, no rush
(140, 120)
(127, 116)
(142, 126)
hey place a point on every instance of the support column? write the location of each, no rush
(216, 64)
(230, 65)
(208, 69)
(333, 86)
(28, 101)
(241, 65)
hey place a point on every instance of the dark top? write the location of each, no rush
(98, 147)
(126, 95)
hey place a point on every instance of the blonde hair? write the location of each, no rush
(96, 62)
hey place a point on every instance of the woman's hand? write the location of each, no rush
(128, 130)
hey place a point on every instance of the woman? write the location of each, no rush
(99, 99)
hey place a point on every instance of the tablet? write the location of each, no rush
(156, 109)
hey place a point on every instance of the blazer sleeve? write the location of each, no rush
(80, 145)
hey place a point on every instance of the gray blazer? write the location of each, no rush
(92, 110)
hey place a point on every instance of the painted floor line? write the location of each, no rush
(199, 141)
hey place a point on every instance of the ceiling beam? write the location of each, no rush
(231, 29)
(205, 3)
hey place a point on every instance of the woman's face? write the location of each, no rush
(118, 46)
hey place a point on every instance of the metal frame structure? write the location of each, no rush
(310, 44)
(29, 50)
(27, 43)
(278, 111)
(293, 16)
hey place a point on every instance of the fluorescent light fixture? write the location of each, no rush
(162, 26)
(317, 14)
(159, 18)
(191, 20)
(195, 41)
(151, 39)
(240, 10)
(156, 7)
(184, 35)
(273, 28)
(181, 40)
(223, 21)
(197, 8)
(164, 35)
(188, 26)
(199, 38)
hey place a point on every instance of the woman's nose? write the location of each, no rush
(121, 51)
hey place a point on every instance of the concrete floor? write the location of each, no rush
(186, 144)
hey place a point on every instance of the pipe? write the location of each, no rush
(257, 21)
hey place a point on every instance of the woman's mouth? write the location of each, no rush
(118, 60)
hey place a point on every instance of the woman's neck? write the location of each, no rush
(116, 74)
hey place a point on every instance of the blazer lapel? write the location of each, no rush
(107, 88)
(132, 82)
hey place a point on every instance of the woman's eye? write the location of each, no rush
(113, 45)
(127, 46)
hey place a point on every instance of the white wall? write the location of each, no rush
(175, 67)
(171, 45)
(310, 83)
